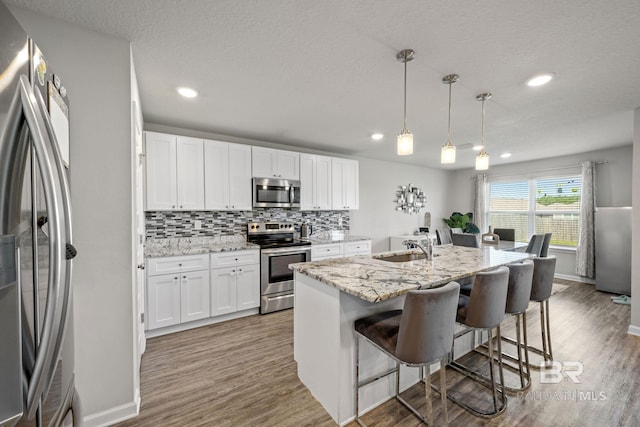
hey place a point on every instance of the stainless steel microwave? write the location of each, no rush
(276, 193)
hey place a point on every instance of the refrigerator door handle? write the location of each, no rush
(29, 105)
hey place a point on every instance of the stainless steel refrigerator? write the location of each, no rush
(36, 250)
(613, 250)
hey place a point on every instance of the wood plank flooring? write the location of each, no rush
(242, 373)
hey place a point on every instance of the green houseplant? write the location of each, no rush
(462, 221)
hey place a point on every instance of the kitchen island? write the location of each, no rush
(330, 295)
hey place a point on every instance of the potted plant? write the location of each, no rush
(463, 222)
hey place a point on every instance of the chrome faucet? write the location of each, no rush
(428, 251)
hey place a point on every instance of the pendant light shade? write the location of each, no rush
(405, 138)
(448, 152)
(482, 159)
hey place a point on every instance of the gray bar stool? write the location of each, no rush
(535, 244)
(417, 336)
(484, 310)
(545, 245)
(518, 294)
(543, 272)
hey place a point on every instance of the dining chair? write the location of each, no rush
(465, 239)
(545, 245)
(443, 238)
(535, 244)
(508, 234)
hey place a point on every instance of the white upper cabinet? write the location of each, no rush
(345, 182)
(162, 189)
(174, 172)
(272, 163)
(227, 176)
(315, 182)
(190, 172)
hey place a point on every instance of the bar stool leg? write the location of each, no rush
(519, 349)
(543, 331)
(499, 336)
(443, 389)
(546, 303)
(357, 387)
(526, 345)
(492, 373)
(427, 392)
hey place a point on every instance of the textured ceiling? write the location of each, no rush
(323, 74)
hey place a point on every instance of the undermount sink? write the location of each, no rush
(402, 257)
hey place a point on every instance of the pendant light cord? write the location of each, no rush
(449, 135)
(404, 130)
(483, 99)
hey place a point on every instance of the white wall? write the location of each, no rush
(613, 185)
(634, 328)
(95, 70)
(377, 217)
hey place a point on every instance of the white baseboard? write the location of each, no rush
(152, 333)
(575, 278)
(114, 415)
(634, 330)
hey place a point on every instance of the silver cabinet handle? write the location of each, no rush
(173, 206)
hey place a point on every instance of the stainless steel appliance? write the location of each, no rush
(276, 193)
(36, 353)
(305, 230)
(278, 249)
(613, 249)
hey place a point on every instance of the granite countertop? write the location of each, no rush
(325, 237)
(195, 245)
(375, 280)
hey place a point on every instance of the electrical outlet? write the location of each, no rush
(197, 224)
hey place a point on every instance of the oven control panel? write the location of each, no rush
(270, 227)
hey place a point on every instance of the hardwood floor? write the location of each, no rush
(242, 373)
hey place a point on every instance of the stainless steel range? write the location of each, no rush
(278, 249)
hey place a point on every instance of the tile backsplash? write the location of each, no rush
(165, 224)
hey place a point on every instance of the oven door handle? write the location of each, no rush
(286, 251)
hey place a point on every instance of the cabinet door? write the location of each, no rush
(307, 184)
(194, 296)
(351, 182)
(322, 188)
(263, 162)
(190, 172)
(248, 287)
(288, 165)
(240, 177)
(216, 175)
(344, 184)
(337, 185)
(223, 290)
(160, 171)
(163, 301)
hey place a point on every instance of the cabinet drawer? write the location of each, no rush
(362, 247)
(230, 259)
(177, 264)
(326, 251)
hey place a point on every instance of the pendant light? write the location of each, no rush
(405, 138)
(482, 159)
(448, 152)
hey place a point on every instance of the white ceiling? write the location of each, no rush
(324, 74)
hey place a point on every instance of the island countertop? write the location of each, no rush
(372, 279)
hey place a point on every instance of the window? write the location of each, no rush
(538, 206)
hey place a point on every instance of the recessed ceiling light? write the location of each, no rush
(477, 147)
(505, 155)
(540, 79)
(377, 136)
(187, 92)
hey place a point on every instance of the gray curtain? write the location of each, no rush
(585, 255)
(479, 205)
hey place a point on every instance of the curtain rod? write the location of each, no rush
(600, 162)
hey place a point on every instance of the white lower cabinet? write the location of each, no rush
(340, 250)
(235, 287)
(184, 289)
(176, 298)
